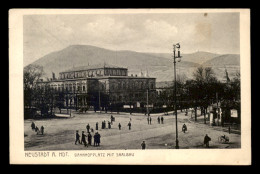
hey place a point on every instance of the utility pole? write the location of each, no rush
(175, 90)
(217, 108)
(99, 98)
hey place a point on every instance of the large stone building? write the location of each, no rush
(102, 85)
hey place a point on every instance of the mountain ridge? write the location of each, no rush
(158, 67)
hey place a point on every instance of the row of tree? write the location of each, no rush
(206, 90)
(200, 92)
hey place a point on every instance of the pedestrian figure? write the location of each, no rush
(111, 118)
(143, 145)
(92, 130)
(88, 127)
(42, 130)
(89, 139)
(207, 139)
(95, 139)
(96, 125)
(37, 130)
(229, 129)
(119, 126)
(77, 137)
(162, 119)
(150, 120)
(98, 138)
(83, 139)
(109, 125)
(184, 128)
(102, 125)
(158, 120)
(129, 125)
(33, 126)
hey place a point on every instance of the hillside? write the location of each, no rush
(83, 55)
(224, 60)
(157, 65)
(198, 57)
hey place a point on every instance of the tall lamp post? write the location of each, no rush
(178, 58)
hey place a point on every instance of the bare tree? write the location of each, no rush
(32, 73)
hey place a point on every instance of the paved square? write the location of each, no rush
(59, 134)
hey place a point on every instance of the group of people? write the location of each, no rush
(149, 119)
(36, 129)
(87, 139)
(160, 120)
(97, 137)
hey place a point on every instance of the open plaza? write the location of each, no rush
(60, 133)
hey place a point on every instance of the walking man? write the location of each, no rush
(77, 137)
(143, 145)
(111, 118)
(119, 126)
(98, 138)
(150, 120)
(129, 125)
(42, 130)
(33, 126)
(88, 127)
(37, 130)
(184, 128)
(206, 140)
(162, 119)
(158, 120)
(102, 125)
(83, 139)
(89, 139)
(109, 125)
(95, 139)
(96, 125)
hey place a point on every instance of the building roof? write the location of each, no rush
(97, 78)
(89, 67)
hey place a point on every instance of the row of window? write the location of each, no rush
(138, 85)
(111, 72)
(69, 88)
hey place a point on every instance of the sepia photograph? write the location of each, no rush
(140, 80)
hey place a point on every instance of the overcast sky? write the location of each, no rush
(214, 32)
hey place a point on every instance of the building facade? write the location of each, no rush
(102, 86)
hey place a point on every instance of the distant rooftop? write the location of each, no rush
(89, 67)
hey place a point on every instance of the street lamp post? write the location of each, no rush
(175, 88)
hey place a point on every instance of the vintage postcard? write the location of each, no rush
(130, 86)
